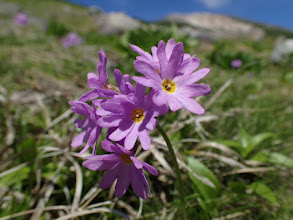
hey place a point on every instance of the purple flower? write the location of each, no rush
(91, 130)
(153, 59)
(71, 39)
(237, 63)
(133, 115)
(123, 166)
(100, 85)
(172, 81)
(21, 19)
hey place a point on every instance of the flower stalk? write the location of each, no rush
(177, 170)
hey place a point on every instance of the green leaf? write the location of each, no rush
(249, 143)
(272, 157)
(264, 191)
(230, 143)
(15, 177)
(206, 191)
(257, 139)
(244, 139)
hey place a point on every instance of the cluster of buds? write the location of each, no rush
(130, 113)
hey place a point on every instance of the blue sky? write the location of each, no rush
(279, 13)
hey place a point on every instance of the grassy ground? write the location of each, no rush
(243, 144)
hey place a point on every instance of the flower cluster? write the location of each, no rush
(237, 63)
(21, 19)
(71, 39)
(130, 112)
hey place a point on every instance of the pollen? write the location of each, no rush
(126, 158)
(137, 115)
(168, 86)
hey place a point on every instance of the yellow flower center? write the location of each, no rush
(126, 158)
(137, 115)
(168, 86)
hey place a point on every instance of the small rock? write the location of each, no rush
(216, 26)
(8, 8)
(283, 48)
(117, 23)
(26, 96)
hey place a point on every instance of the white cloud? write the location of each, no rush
(213, 4)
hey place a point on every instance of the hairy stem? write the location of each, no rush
(177, 170)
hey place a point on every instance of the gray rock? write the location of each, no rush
(283, 48)
(215, 26)
(8, 8)
(117, 23)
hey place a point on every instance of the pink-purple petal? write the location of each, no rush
(94, 136)
(140, 93)
(146, 184)
(191, 105)
(145, 139)
(94, 83)
(169, 71)
(108, 146)
(110, 176)
(160, 98)
(131, 137)
(96, 165)
(123, 181)
(119, 134)
(147, 70)
(194, 77)
(174, 103)
(110, 121)
(161, 54)
(129, 87)
(124, 150)
(107, 93)
(81, 108)
(169, 47)
(194, 90)
(79, 139)
(150, 169)
(147, 82)
(138, 164)
(80, 123)
(119, 80)
(140, 51)
(92, 94)
(92, 76)
(189, 65)
(152, 123)
(103, 76)
(154, 53)
(114, 106)
(137, 182)
(102, 112)
(105, 157)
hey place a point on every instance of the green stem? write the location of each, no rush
(177, 170)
